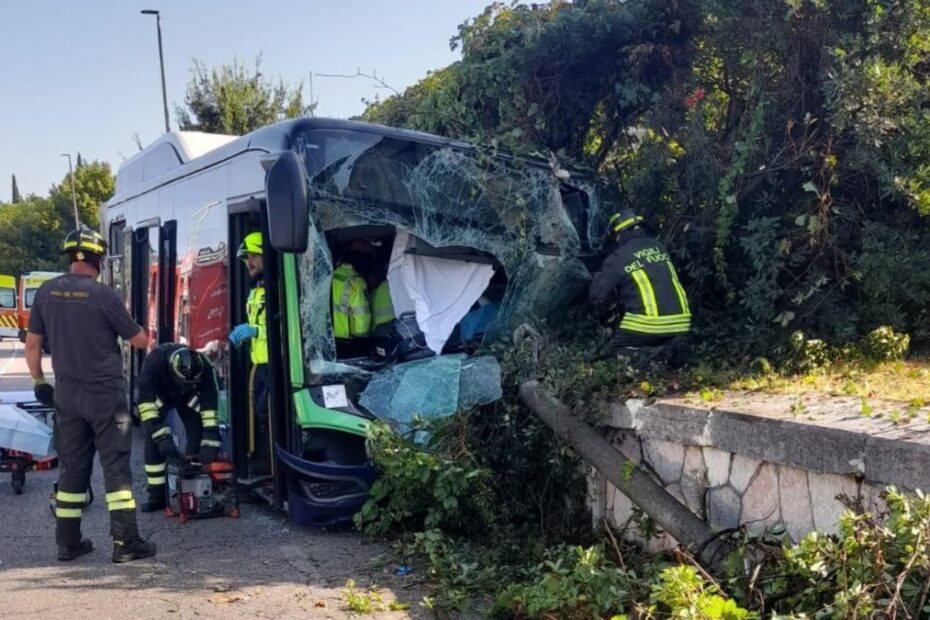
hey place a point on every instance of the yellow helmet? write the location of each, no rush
(252, 244)
(84, 240)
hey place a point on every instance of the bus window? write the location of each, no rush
(29, 296)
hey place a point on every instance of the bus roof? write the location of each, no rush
(182, 153)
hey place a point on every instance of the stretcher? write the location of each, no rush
(25, 437)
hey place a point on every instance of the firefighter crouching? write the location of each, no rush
(639, 280)
(82, 320)
(176, 377)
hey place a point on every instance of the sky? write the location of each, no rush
(83, 76)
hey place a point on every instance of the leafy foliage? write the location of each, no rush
(94, 184)
(231, 99)
(781, 148)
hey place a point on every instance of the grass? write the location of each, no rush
(906, 381)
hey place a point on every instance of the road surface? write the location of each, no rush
(259, 565)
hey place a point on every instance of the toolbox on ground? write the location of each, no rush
(197, 491)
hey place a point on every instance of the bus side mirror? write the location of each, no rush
(286, 195)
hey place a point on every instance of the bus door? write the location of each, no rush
(143, 291)
(9, 318)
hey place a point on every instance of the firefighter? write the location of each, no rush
(254, 332)
(176, 377)
(83, 319)
(639, 280)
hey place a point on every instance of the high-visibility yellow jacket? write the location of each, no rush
(382, 308)
(255, 311)
(351, 313)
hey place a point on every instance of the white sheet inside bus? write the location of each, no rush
(439, 290)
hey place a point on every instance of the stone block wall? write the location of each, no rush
(744, 472)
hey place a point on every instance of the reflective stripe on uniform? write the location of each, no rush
(208, 417)
(129, 504)
(164, 430)
(116, 496)
(213, 443)
(148, 411)
(669, 324)
(158, 481)
(646, 292)
(74, 498)
(68, 513)
(156, 468)
(682, 297)
(194, 403)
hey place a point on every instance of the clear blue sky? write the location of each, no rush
(83, 75)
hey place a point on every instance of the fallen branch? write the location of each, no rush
(676, 519)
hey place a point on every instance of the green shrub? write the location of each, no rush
(884, 345)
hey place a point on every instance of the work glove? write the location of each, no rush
(44, 392)
(208, 454)
(241, 333)
(166, 448)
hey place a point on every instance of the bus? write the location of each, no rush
(471, 242)
(9, 322)
(29, 283)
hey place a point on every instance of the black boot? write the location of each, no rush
(135, 549)
(66, 553)
(127, 544)
(156, 500)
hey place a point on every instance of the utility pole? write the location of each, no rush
(77, 221)
(161, 60)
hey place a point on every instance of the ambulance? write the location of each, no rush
(29, 283)
(9, 323)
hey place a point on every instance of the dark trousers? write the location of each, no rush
(155, 465)
(89, 418)
(260, 424)
(639, 349)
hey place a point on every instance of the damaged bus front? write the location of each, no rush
(389, 258)
(467, 246)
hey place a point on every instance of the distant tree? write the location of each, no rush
(17, 198)
(30, 234)
(231, 99)
(93, 184)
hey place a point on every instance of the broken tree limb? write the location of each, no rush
(676, 519)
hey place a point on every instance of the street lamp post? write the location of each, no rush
(161, 60)
(77, 221)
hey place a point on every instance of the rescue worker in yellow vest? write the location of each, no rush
(382, 308)
(254, 332)
(83, 320)
(351, 309)
(639, 280)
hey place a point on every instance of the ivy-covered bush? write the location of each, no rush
(782, 149)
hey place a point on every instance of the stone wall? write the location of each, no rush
(759, 463)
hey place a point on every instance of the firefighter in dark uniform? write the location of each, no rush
(254, 332)
(638, 287)
(82, 320)
(175, 377)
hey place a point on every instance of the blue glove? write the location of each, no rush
(241, 333)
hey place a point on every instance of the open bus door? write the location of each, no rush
(9, 321)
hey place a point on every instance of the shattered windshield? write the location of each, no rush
(536, 224)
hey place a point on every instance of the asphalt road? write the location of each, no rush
(259, 565)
